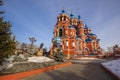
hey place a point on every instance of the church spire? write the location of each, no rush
(63, 11)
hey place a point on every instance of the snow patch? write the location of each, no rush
(113, 66)
(8, 63)
(39, 59)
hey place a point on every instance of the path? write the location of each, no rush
(81, 70)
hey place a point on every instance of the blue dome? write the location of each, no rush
(91, 34)
(79, 17)
(71, 26)
(86, 26)
(98, 39)
(71, 15)
(63, 11)
(58, 39)
(88, 40)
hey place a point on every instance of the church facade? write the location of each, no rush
(73, 37)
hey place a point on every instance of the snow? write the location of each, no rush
(9, 66)
(10, 59)
(89, 58)
(8, 63)
(113, 66)
(1, 68)
(39, 59)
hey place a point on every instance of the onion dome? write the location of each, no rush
(79, 17)
(98, 40)
(63, 11)
(91, 34)
(71, 15)
(86, 27)
(63, 16)
(71, 26)
(88, 40)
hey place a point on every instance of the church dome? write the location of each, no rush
(88, 40)
(91, 34)
(71, 26)
(86, 27)
(58, 39)
(63, 16)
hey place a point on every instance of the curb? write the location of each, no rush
(110, 73)
(17, 76)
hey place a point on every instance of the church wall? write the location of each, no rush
(72, 28)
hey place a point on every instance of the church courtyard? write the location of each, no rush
(59, 40)
(79, 70)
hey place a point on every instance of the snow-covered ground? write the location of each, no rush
(113, 66)
(8, 63)
(39, 59)
(88, 58)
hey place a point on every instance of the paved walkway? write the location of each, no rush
(80, 70)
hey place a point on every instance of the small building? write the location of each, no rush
(73, 37)
(116, 51)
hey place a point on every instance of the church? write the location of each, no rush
(73, 37)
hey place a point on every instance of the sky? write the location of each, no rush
(37, 18)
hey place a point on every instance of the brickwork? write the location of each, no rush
(73, 37)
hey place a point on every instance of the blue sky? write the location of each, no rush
(38, 17)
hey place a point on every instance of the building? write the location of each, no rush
(73, 37)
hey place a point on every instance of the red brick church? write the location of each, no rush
(73, 37)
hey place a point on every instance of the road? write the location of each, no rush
(80, 70)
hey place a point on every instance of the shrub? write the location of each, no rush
(59, 56)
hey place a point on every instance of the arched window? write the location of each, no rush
(94, 46)
(64, 18)
(61, 32)
(59, 19)
(67, 43)
(73, 44)
(79, 45)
